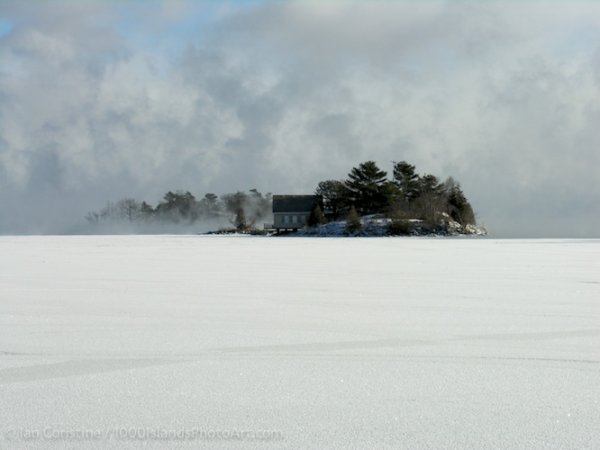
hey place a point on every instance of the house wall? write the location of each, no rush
(290, 219)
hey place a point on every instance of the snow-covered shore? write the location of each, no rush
(380, 226)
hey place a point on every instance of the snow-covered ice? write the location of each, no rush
(318, 343)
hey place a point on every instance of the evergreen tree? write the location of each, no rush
(430, 184)
(210, 205)
(316, 217)
(335, 196)
(393, 197)
(407, 180)
(431, 200)
(459, 207)
(353, 224)
(235, 202)
(366, 185)
(177, 206)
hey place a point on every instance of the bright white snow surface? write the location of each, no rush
(298, 342)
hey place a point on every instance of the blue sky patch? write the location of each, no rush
(5, 27)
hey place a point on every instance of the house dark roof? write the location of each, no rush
(295, 203)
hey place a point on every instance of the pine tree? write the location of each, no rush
(407, 180)
(177, 206)
(335, 196)
(366, 186)
(430, 184)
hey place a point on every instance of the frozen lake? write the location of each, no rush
(124, 341)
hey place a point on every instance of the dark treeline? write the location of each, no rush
(241, 209)
(407, 195)
(366, 191)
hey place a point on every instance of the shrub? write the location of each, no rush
(353, 224)
(399, 227)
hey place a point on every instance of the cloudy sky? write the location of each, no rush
(103, 100)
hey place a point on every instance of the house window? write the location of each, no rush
(294, 219)
(286, 219)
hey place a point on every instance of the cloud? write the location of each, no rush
(102, 100)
